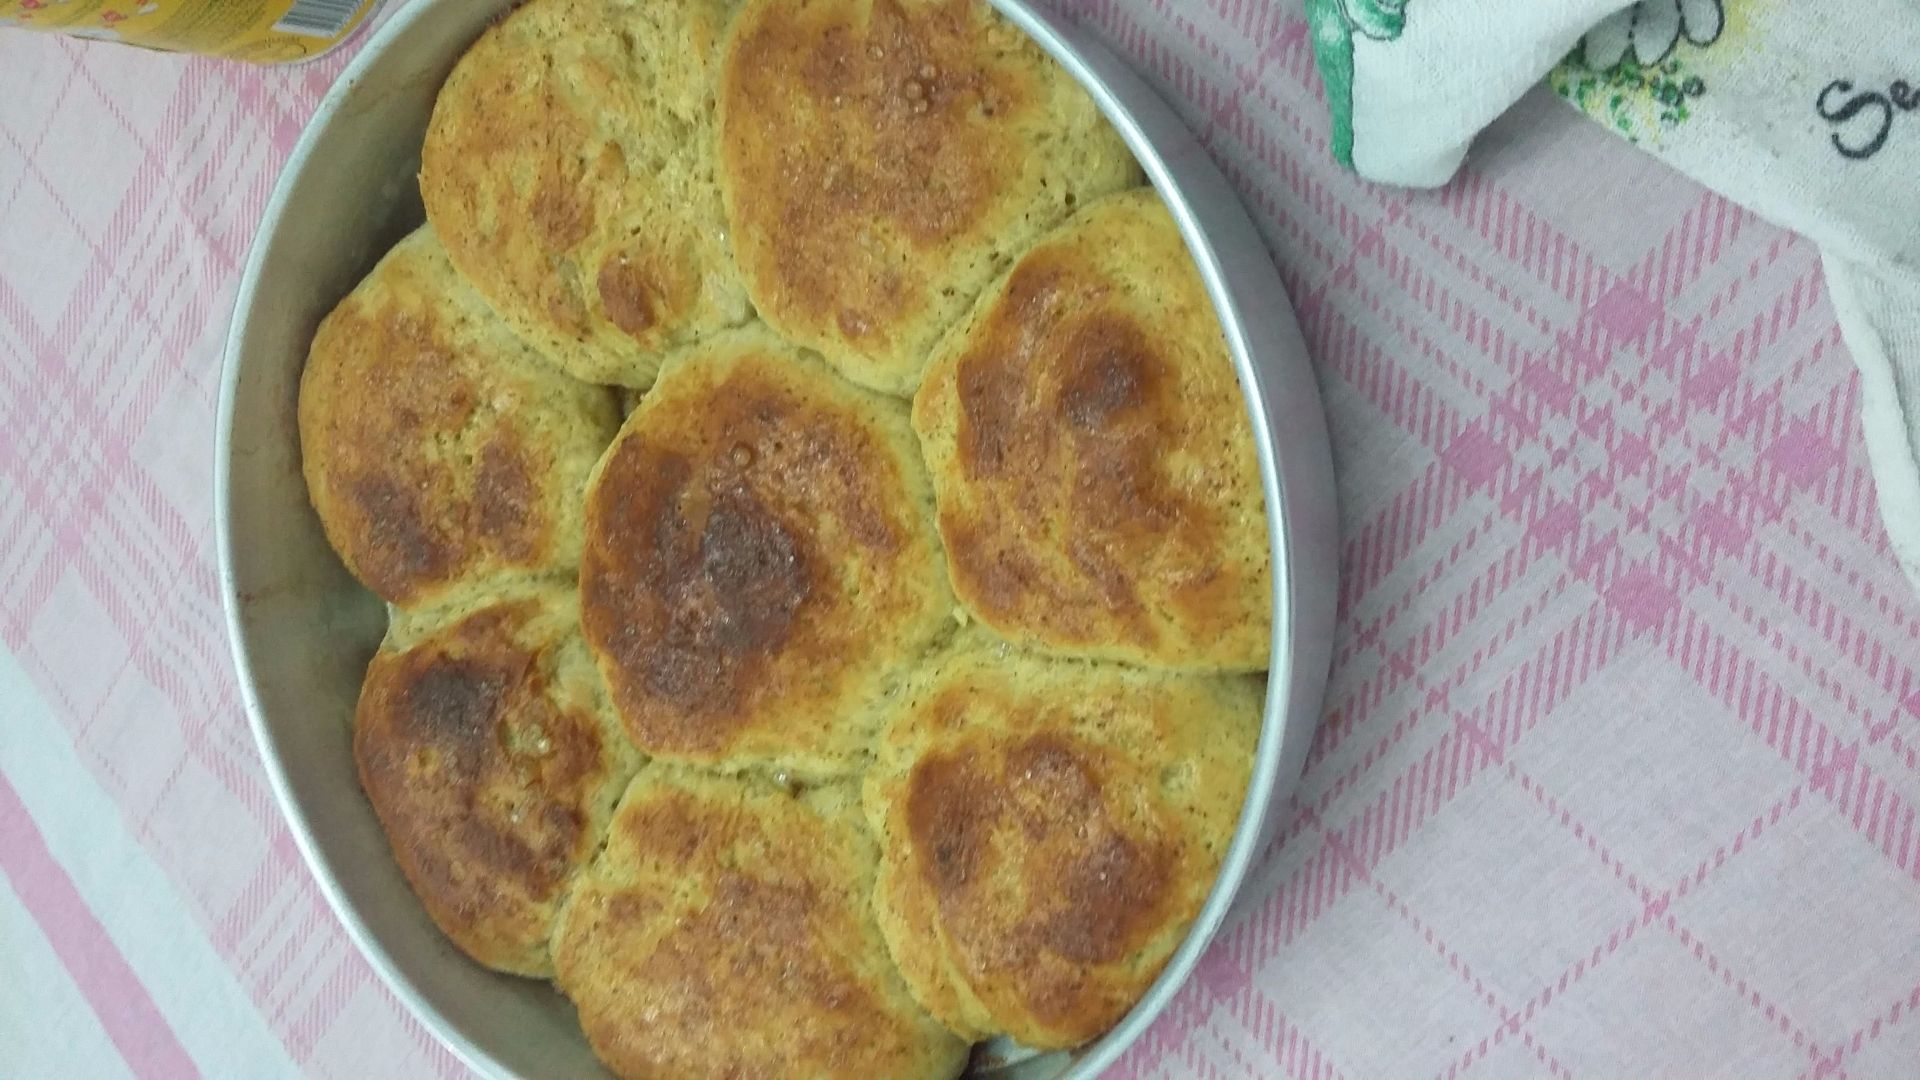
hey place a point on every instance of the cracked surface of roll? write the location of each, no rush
(1099, 490)
(726, 931)
(489, 753)
(883, 160)
(1049, 829)
(760, 561)
(438, 449)
(569, 166)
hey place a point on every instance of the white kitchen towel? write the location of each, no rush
(1805, 111)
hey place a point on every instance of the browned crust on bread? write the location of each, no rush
(1049, 830)
(726, 932)
(759, 558)
(953, 143)
(437, 448)
(569, 165)
(490, 774)
(1099, 489)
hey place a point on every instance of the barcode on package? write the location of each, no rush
(317, 18)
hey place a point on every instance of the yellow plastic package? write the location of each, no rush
(258, 31)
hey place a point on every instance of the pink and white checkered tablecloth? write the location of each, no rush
(1622, 751)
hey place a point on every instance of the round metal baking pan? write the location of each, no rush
(303, 630)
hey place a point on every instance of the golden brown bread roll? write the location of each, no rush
(1098, 485)
(438, 449)
(493, 762)
(760, 561)
(726, 931)
(882, 160)
(1049, 829)
(569, 167)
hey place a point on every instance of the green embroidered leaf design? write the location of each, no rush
(1333, 55)
(1637, 101)
(1334, 24)
(1381, 20)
